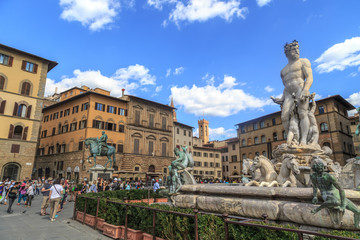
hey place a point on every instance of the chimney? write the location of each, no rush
(123, 92)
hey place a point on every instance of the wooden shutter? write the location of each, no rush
(23, 65)
(103, 125)
(11, 59)
(25, 133)
(107, 108)
(11, 131)
(126, 112)
(2, 107)
(85, 123)
(104, 108)
(82, 107)
(94, 123)
(120, 148)
(115, 110)
(16, 106)
(114, 127)
(106, 126)
(35, 68)
(28, 111)
(2, 83)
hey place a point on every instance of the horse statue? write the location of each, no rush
(247, 162)
(269, 177)
(94, 151)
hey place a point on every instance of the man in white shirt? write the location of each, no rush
(55, 196)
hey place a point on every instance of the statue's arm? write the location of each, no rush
(306, 68)
(341, 191)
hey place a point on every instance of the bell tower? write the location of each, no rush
(204, 130)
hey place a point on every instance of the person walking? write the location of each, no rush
(156, 185)
(11, 195)
(55, 195)
(66, 191)
(45, 192)
(30, 194)
(22, 194)
(5, 189)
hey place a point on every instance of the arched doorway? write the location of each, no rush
(11, 171)
(151, 168)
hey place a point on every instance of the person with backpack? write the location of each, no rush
(30, 194)
(22, 193)
(12, 195)
(55, 194)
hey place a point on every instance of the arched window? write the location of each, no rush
(264, 153)
(275, 137)
(249, 142)
(25, 88)
(284, 135)
(256, 140)
(323, 127)
(18, 132)
(244, 156)
(243, 142)
(2, 83)
(21, 112)
(327, 144)
(263, 139)
(151, 168)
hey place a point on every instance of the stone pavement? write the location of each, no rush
(29, 225)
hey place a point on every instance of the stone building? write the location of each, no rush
(183, 135)
(262, 135)
(204, 130)
(22, 86)
(354, 121)
(81, 113)
(207, 163)
(234, 158)
(149, 144)
(225, 162)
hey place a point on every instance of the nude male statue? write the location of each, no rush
(297, 78)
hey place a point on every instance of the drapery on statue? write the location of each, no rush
(332, 194)
(99, 147)
(296, 112)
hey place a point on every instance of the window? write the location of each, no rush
(2, 83)
(121, 111)
(67, 112)
(65, 128)
(151, 120)
(284, 135)
(120, 148)
(100, 107)
(227, 168)
(217, 164)
(15, 148)
(111, 109)
(227, 159)
(151, 147)
(59, 128)
(205, 164)
(211, 155)
(233, 158)
(321, 109)
(136, 146)
(75, 109)
(29, 66)
(73, 126)
(63, 148)
(163, 123)
(61, 114)
(273, 121)
(201, 172)
(53, 131)
(216, 155)
(211, 164)
(137, 169)
(255, 126)
(43, 134)
(264, 154)
(177, 131)
(242, 129)
(327, 144)
(21, 111)
(223, 158)
(81, 144)
(256, 140)
(51, 150)
(205, 155)
(17, 132)
(262, 124)
(243, 142)
(189, 133)
(263, 139)
(84, 106)
(233, 147)
(56, 115)
(184, 132)
(121, 128)
(25, 88)
(323, 127)
(98, 124)
(257, 154)
(82, 124)
(163, 149)
(137, 117)
(344, 147)
(275, 137)
(110, 126)
(341, 126)
(244, 156)
(6, 60)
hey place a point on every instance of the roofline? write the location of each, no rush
(72, 89)
(81, 96)
(207, 148)
(175, 122)
(336, 97)
(146, 100)
(52, 64)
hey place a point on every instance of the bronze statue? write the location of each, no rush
(99, 147)
(332, 194)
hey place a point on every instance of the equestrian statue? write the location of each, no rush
(99, 147)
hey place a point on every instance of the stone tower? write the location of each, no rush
(174, 112)
(204, 130)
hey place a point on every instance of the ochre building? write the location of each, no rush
(22, 86)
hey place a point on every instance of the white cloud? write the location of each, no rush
(354, 99)
(269, 89)
(95, 14)
(353, 74)
(352, 112)
(179, 70)
(210, 80)
(262, 3)
(217, 133)
(168, 72)
(340, 56)
(158, 88)
(203, 10)
(158, 4)
(210, 100)
(130, 78)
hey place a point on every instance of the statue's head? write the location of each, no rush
(176, 151)
(103, 132)
(317, 165)
(292, 50)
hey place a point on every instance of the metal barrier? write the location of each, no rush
(228, 219)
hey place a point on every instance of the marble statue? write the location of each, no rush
(332, 194)
(296, 113)
(99, 147)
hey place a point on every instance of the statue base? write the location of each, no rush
(100, 172)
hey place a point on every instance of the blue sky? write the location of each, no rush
(219, 59)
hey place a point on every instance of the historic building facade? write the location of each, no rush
(81, 113)
(183, 135)
(262, 135)
(354, 121)
(22, 86)
(207, 163)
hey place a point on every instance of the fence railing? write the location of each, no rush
(228, 219)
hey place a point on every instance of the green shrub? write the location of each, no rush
(348, 234)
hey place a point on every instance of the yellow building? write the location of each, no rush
(22, 85)
(81, 113)
(207, 163)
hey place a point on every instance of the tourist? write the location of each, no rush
(127, 186)
(29, 194)
(38, 187)
(11, 195)
(85, 188)
(22, 194)
(122, 186)
(45, 192)
(65, 185)
(5, 189)
(100, 184)
(115, 186)
(93, 187)
(156, 185)
(72, 190)
(55, 196)
(106, 186)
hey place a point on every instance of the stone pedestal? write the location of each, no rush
(100, 172)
